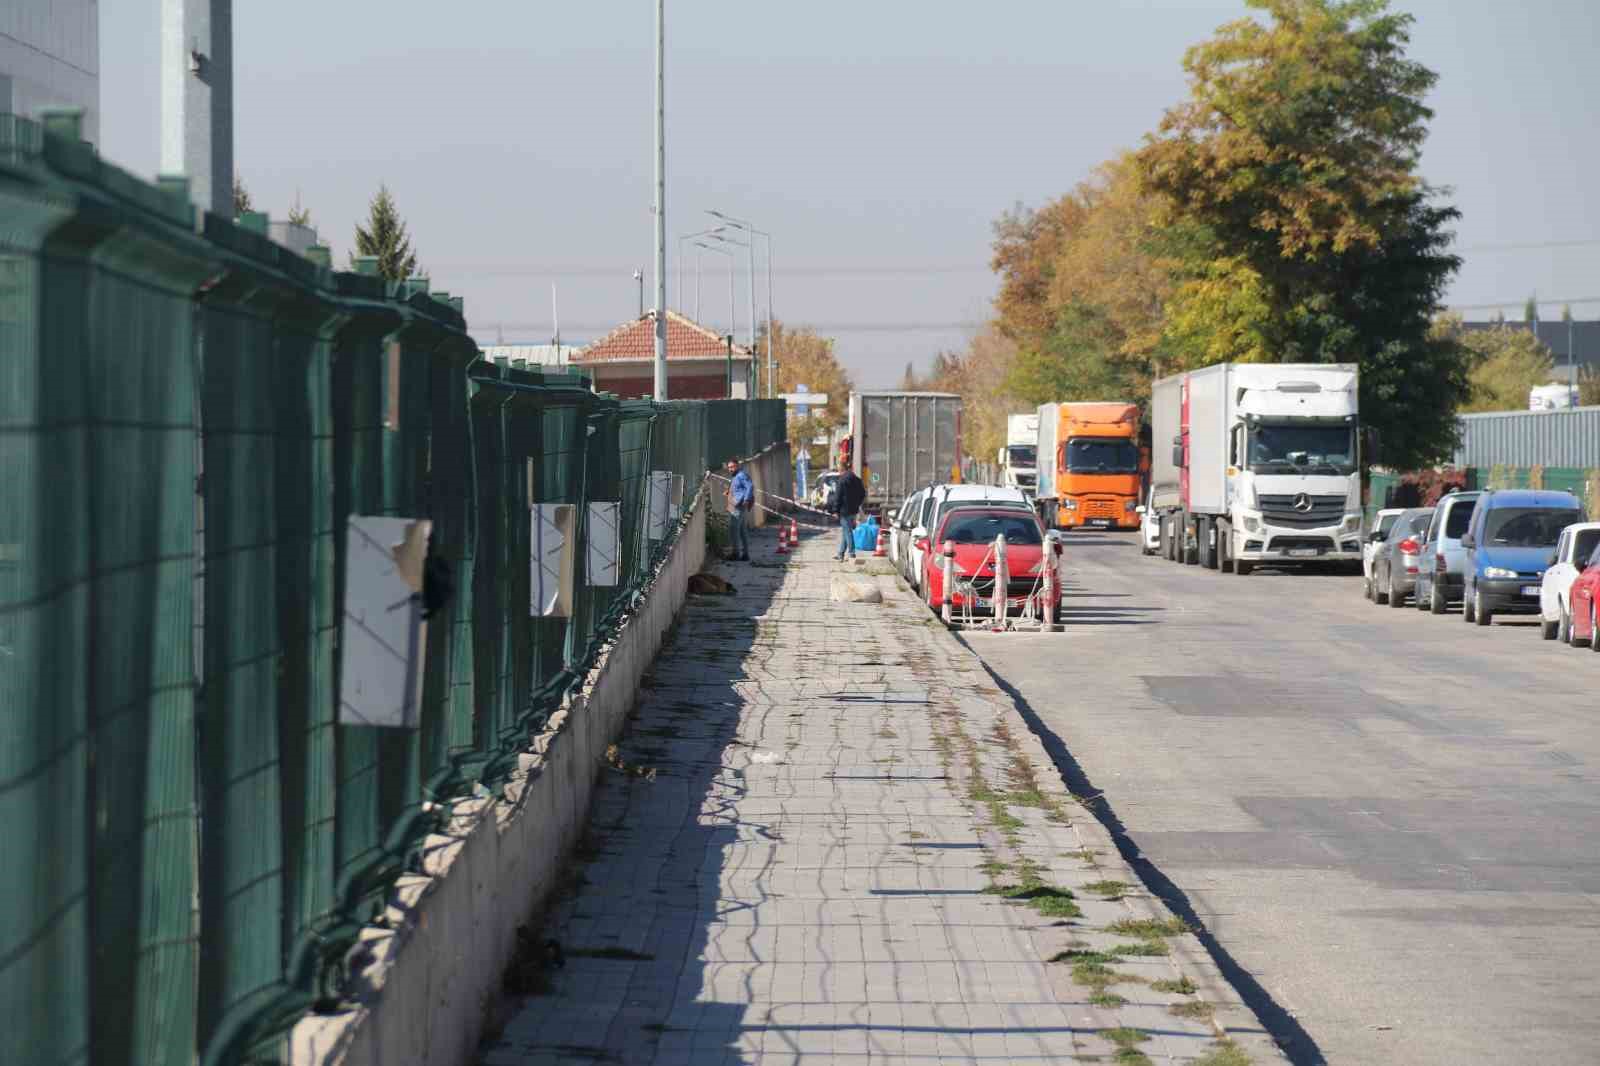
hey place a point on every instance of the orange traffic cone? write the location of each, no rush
(783, 541)
(883, 543)
(794, 533)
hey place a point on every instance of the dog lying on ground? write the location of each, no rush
(709, 585)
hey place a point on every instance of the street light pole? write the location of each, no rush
(681, 239)
(661, 204)
(733, 320)
(749, 228)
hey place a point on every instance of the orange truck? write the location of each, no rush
(1090, 465)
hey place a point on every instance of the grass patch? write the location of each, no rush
(1048, 900)
(1102, 998)
(1131, 1056)
(1026, 797)
(1111, 890)
(1182, 986)
(1092, 969)
(1150, 928)
(1196, 1009)
(1122, 1036)
(994, 868)
(1087, 855)
(1143, 947)
(610, 951)
(1223, 1053)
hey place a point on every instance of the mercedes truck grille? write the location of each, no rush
(1302, 511)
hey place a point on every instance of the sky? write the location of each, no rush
(875, 141)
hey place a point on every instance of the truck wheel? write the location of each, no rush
(1167, 523)
(1243, 568)
(1190, 556)
(1204, 548)
(1224, 547)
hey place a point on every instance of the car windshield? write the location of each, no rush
(1419, 523)
(1527, 527)
(1459, 519)
(1101, 455)
(983, 527)
(1386, 522)
(1588, 542)
(1022, 454)
(1302, 448)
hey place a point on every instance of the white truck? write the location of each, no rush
(1257, 463)
(1019, 468)
(900, 442)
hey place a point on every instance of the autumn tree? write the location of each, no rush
(1295, 157)
(804, 357)
(298, 214)
(1504, 363)
(385, 237)
(241, 198)
(1589, 386)
(980, 376)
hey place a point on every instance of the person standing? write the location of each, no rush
(848, 496)
(741, 497)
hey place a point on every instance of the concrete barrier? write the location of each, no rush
(770, 472)
(428, 982)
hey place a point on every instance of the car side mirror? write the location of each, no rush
(922, 544)
(1377, 535)
(1140, 509)
(1552, 560)
(1467, 541)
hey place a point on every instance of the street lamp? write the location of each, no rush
(733, 322)
(690, 237)
(772, 376)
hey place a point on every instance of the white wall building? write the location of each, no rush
(50, 57)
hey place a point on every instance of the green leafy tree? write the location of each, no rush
(805, 357)
(1530, 310)
(299, 215)
(385, 237)
(1296, 156)
(241, 198)
(1070, 365)
(1589, 387)
(1505, 362)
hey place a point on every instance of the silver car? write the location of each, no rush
(1440, 571)
(1398, 557)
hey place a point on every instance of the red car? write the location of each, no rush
(972, 532)
(1585, 600)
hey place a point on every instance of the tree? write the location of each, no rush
(806, 358)
(1295, 159)
(1504, 364)
(298, 215)
(1070, 364)
(980, 376)
(385, 236)
(241, 198)
(1530, 311)
(1589, 386)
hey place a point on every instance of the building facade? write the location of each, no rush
(701, 365)
(50, 58)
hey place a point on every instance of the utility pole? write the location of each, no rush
(661, 202)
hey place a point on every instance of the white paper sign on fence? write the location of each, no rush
(676, 510)
(551, 557)
(605, 543)
(382, 635)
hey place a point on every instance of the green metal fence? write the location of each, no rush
(189, 416)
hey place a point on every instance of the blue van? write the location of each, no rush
(1508, 546)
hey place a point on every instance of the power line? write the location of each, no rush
(1475, 249)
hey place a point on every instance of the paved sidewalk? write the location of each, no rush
(852, 851)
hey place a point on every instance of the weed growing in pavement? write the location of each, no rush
(1088, 855)
(1223, 1053)
(1107, 999)
(1123, 1036)
(1150, 928)
(1143, 947)
(1110, 890)
(1129, 1056)
(1182, 986)
(1196, 1009)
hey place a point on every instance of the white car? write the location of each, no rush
(1149, 525)
(1381, 524)
(938, 499)
(900, 527)
(1576, 544)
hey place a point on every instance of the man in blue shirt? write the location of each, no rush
(741, 497)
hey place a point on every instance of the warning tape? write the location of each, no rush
(831, 527)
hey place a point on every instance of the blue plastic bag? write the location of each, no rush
(867, 535)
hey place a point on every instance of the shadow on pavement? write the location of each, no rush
(1296, 1043)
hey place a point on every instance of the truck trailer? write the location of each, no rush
(902, 441)
(1258, 463)
(1018, 459)
(1089, 465)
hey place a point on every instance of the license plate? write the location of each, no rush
(1303, 553)
(1104, 522)
(1530, 590)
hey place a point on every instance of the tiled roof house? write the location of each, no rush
(698, 368)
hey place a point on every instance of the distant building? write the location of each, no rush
(1553, 335)
(50, 58)
(537, 356)
(699, 366)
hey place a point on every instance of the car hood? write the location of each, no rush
(1522, 560)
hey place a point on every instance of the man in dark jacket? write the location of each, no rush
(848, 496)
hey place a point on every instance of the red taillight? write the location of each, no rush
(1409, 546)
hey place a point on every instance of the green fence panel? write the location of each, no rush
(97, 775)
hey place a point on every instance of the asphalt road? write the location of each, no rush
(1388, 822)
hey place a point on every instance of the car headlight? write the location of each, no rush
(1250, 524)
(1498, 571)
(1351, 521)
(1070, 504)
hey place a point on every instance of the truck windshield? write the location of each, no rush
(1302, 449)
(1022, 454)
(1102, 455)
(1527, 527)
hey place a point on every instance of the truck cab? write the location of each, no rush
(1091, 467)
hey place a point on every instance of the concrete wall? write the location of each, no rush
(773, 472)
(434, 974)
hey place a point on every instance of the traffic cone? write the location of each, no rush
(783, 541)
(883, 543)
(794, 533)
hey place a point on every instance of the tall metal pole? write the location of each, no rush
(1572, 379)
(698, 257)
(771, 377)
(661, 202)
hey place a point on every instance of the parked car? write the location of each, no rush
(1149, 524)
(942, 498)
(1439, 580)
(901, 525)
(1586, 605)
(972, 532)
(1507, 548)
(1370, 545)
(1578, 542)
(1398, 556)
